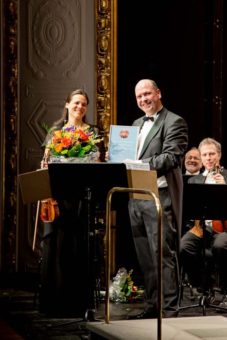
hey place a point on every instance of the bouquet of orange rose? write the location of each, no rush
(71, 142)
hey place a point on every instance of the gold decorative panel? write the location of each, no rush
(10, 113)
(106, 64)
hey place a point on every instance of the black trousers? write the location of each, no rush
(144, 224)
(201, 269)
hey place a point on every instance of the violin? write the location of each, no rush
(219, 226)
(217, 169)
(197, 229)
(49, 210)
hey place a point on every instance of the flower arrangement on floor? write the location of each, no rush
(122, 288)
(71, 142)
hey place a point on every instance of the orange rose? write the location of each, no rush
(57, 135)
(58, 147)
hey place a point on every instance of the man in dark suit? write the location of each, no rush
(163, 141)
(215, 240)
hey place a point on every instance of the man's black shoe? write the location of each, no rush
(146, 314)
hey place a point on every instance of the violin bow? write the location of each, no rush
(36, 225)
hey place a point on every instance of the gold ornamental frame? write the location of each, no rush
(106, 65)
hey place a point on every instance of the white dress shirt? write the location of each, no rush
(194, 173)
(147, 125)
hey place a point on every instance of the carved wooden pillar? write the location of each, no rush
(9, 141)
(106, 63)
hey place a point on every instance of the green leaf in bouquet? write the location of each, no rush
(64, 152)
(74, 151)
(84, 150)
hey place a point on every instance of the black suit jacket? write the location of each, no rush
(164, 149)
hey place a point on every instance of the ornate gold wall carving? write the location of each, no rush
(106, 63)
(10, 141)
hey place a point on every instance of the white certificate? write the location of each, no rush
(123, 142)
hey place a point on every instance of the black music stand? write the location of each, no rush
(88, 183)
(186, 223)
(70, 179)
(204, 202)
(186, 178)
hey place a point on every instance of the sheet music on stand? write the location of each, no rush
(35, 185)
(137, 165)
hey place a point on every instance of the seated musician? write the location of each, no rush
(192, 162)
(192, 166)
(191, 247)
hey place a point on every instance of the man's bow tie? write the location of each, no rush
(146, 118)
